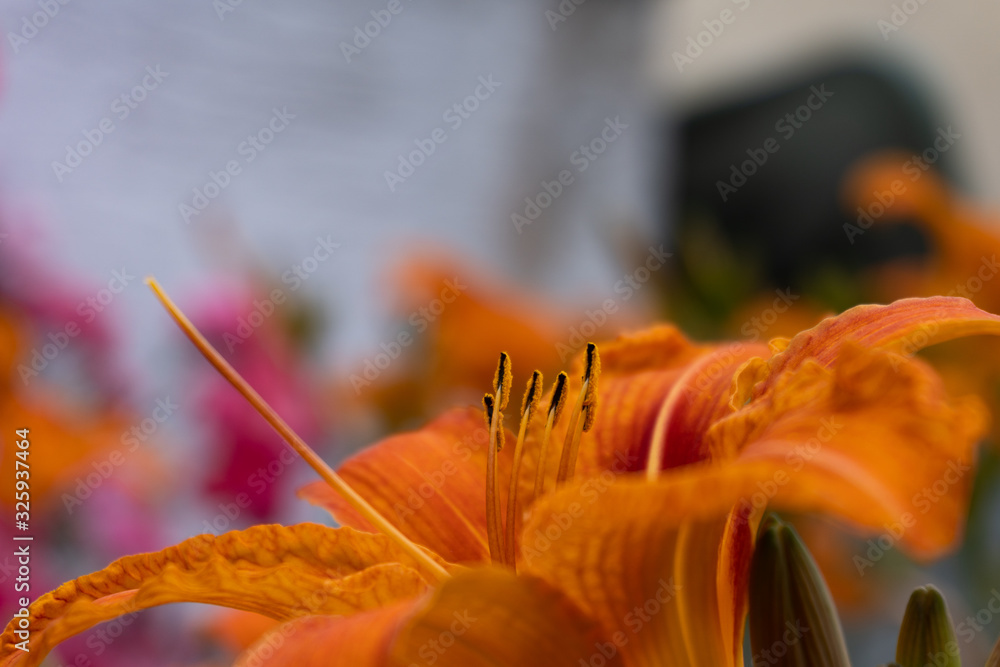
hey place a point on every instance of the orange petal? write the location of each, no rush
(281, 572)
(497, 618)
(481, 618)
(644, 559)
(238, 630)
(733, 573)
(698, 398)
(429, 483)
(637, 373)
(70, 442)
(361, 640)
(876, 434)
(905, 326)
(927, 199)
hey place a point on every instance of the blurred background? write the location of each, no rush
(362, 203)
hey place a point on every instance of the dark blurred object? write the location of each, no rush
(761, 176)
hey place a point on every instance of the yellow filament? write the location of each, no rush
(530, 399)
(359, 504)
(555, 409)
(540, 473)
(571, 444)
(493, 485)
(494, 529)
(512, 492)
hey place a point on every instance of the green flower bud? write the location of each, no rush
(793, 622)
(927, 636)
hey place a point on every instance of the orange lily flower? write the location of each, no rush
(464, 317)
(963, 261)
(611, 569)
(81, 436)
(461, 317)
(964, 237)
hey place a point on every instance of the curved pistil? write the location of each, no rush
(338, 484)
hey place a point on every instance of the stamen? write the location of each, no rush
(531, 396)
(591, 374)
(555, 409)
(492, 487)
(502, 380)
(494, 413)
(586, 407)
(359, 504)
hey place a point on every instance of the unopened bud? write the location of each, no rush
(927, 635)
(790, 605)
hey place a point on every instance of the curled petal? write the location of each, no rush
(877, 435)
(281, 572)
(904, 326)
